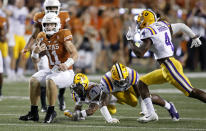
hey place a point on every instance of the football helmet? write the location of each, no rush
(48, 4)
(80, 84)
(51, 18)
(146, 18)
(120, 75)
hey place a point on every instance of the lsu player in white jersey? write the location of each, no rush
(156, 36)
(4, 27)
(86, 92)
(122, 81)
(17, 16)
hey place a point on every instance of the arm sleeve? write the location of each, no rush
(180, 27)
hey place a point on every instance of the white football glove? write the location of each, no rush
(130, 34)
(76, 115)
(196, 42)
(113, 120)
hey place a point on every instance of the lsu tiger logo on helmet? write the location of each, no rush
(119, 75)
(52, 6)
(81, 79)
(51, 18)
(146, 18)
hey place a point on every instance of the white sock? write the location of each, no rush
(7, 65)
(12, 72)
(20, 71)
(167, 105)
(149, 105)
(142, 104)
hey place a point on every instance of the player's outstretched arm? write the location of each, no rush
(105, 113)
(181, 27)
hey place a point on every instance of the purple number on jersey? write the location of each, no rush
(168, 41)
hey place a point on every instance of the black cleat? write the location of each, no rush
(50, 117)
(30, 117)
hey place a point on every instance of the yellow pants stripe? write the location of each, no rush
(177, 76)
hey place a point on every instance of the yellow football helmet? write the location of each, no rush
(119, 75)
(82, 79)
(146, 18)
(80, 84)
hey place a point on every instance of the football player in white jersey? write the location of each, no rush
(85, 92)
(17, 15)
(122, 81)
(156, 36)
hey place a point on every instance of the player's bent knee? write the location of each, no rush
(33, 81)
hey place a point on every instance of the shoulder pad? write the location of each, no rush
(65, 35)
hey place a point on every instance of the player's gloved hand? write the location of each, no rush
(76, 116)
(113, 120)
(62, 67)
(196, 42)
(68, 113)
(130, 34)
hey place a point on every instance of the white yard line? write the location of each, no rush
(93, 126)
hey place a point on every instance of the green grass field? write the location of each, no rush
(192, 112)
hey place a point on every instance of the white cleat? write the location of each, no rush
(148, 118)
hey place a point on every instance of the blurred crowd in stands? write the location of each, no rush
(99, 28)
